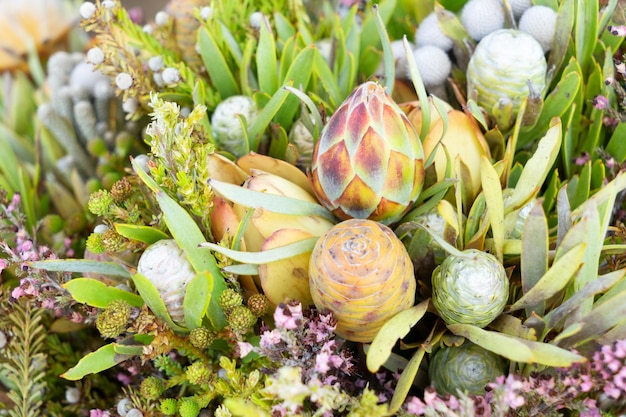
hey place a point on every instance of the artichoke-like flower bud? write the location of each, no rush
(368, 162)
(227, 127)
(165, 264)
(362, 273)
(502, 66)
(470, 289)
(467, 368)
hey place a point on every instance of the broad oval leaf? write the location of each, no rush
(145, 234)
(97, 294)
(393, 330)
(102, 359)
(201, 299)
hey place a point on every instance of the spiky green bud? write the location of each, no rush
(188, 408)
(112, 320)
(112, 241)
(241, 319)
(201, 337)
(198, 373)
(52, 224)
(94, 243)
(169, 406)
(100, 202)
(258, 304)
(121, 190)
(151, 388)
(229, 299)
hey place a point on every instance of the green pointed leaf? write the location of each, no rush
(145, 234)
(537, 168)
(132, 350)
(97, 294)
(264, 118)
(153, 299)
(553, 281)
(266, 256)
(586, 31)
(516, 349)
(221, 76)
(298, 75)
(201, 299)
(271, 202)
(495, 206)
(404, 384)
(393, 330)
(266, 59)
(534, 253)
(94, 362)
(81, 266)
(242, 269)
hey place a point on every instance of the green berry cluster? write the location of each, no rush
(100, 202)
(229, 299)
(198, 373)
(201, 337)
(241, 319)
(151, 388)
(188, 408)
(111, 322)
(258, 304)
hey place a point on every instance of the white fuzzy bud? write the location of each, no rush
(481, 17)
(95, 55)
(100, 228)
(123, 406)
(123, 80)
(108, 4)
(256, 19)
(135, 412)
(87, 10)
(72, 395)
(540, 23)
(206, 12)
(433, 64)
(170, 75)
(84, 77)
(147, 28)
(130, 105)
(429, 33)
(161, 18)
(142, 162)
(518, 7)
(158, 79)
(156, 63)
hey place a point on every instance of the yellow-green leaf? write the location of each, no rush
(495, 206)
(393, 330)
(97, 294)
(146, 234)
(102, 359)
(153, 299)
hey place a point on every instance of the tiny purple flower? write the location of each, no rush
(601, 102)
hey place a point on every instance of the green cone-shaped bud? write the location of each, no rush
(470, 289)
(368, 162)
(467, 368)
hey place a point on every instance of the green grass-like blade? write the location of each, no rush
(266, 256)
(82, 266)
(214, 61)
(266, 63)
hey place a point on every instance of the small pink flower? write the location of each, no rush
(18, 292)
(99, 413)
(244, 349)
(601, 102)
(617, 30)
(322, 362)
(415, 406)
(270, 338)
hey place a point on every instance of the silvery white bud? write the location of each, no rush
(123, 406)
(142, 161)
(100, 228)
(256, 19)
(170, 75)
(87, 10)
(161, 18)
(155, 63)
(95, 55)
(108, 4)
(481, 17)
(540, 23)
(130, 105)
(165, 264)
(72, 395)
(123, 81)
(84, 76)
(429, 33)
(134, 413)
(158, 79)
(206, 12)
(147, 28)
(433, 64)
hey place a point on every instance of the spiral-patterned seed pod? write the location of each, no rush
(362, 273)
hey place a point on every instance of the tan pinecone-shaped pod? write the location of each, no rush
(362, 273)
(368, 162)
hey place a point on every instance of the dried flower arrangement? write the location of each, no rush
(281, 208)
